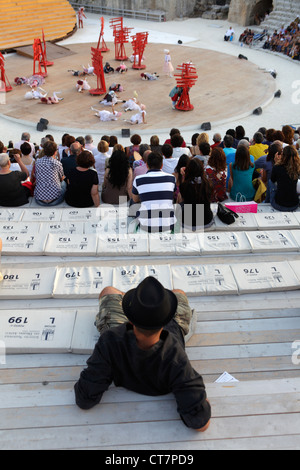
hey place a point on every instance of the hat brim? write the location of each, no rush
(126, 305)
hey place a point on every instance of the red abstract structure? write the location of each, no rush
(139, 42)
(39, 59)
(101, 43)
(97, 62)
(185, 80)
(121, 35)
(4, 83)
(47, 62)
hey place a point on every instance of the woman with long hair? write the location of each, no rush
(194, 198)
(284, 178)
(117, 179)
(216, 171)
(179, 171)
(241, 174)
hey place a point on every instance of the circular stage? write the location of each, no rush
(227, 88)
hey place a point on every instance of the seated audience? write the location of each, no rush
(216, 171)
(194, 198)
(217, 139)
(48, 177)
(172, 132)
(229, 151)
(89, 144)
(284, 179)
(169, 162)
(140, 166)
(178, 149)
(26, 156)
(135, 140)
(12, 192)
(265, 165)
(257, 148)
(82, 190)
(155, 192)
(25, 137)
(194, 148)
(204, 153)
(14, 166)
(241, 174)
(100, 159)
(288, 133)
(113, 140)
(117, 179)
(201, 138)
(179, 171)
(155, 145)
(69, 161)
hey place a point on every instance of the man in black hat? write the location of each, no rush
(141, 348)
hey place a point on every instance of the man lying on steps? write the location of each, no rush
(142, 348)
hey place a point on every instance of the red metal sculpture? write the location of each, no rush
(185, 80)
(97, 61)
(4, 83)
(121, 35)
(47, 62)
(139, 42)
(39, 59)
(101, 43)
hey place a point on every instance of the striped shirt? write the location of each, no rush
(156, 191)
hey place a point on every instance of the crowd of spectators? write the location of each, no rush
(285, 40)
(168, 174)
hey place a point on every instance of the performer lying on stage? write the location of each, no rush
(116, 87)
(86, 71)
(105, 115)
(131, 105)
(107, 68)
(122, 68)
(139, 117)
(35, 94)
(33, 81)
(110, 99)
(149, 76)
(82, 85)
(52, 99)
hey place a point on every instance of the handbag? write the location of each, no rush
(226, 215)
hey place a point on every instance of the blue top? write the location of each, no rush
(242, 183)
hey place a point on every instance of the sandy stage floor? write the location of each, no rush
(227, 88)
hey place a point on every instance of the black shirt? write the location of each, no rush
(69, 163)
(78, 193)
(162, 369)
(12, 193)
(286, 194)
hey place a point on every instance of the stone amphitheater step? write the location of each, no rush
(284, 13)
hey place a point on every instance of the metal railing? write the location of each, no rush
(148, 15)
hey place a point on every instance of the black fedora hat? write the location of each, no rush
(149, 306)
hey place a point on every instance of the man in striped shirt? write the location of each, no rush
(155, 191)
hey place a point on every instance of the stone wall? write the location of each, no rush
(212, 9)
(243, 11)
(173, 8)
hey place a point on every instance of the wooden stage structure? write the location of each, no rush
(23, 20)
